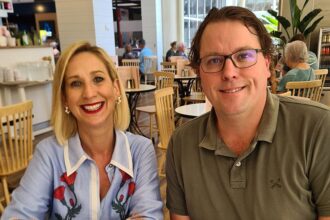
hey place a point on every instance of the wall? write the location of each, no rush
(91, 21)
(152, 26)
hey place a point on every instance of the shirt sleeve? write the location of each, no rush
(320, 165)
(146, 201)
(31, 200)
(175, 197)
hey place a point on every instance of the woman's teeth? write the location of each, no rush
(92, 107)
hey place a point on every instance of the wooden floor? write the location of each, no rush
(144, 99)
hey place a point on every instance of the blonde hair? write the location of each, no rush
(65, 125)
(296, 52)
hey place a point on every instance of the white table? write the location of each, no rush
(192, 110)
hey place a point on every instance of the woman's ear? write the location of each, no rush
(116, 86)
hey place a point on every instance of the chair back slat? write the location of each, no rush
(163, 79)
(307, 89)
(131, 62)
(126, 73)
(164, 114)
(16, 137)
(320, 74)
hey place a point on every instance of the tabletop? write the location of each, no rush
(192, 110)
(179, 77)
(142, 88)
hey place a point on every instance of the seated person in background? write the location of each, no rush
(181, 50)
(128, 52)
(91, 168)
(295, 57)
(312, 58)
(171, 51)
(145, 51)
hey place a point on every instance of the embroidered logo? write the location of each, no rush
(73, 207)
(275, 183)
(120, 202)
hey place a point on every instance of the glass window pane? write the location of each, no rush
(208, 6)
(185, 11)
(193, 8)
(186, 32)
(193, 28)
(201, 9)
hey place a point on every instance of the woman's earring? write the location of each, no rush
(66, 110)
(118, 100)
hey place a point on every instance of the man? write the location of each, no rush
(144, 52)
(171, 51)
(255, 155)
(181, 50)
(128, 52)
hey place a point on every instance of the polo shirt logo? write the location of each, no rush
(275, 183)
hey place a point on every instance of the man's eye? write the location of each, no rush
(244, 56)
(75, 84)
(98, 79)
(213, 61)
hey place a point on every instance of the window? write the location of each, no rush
(196, 10)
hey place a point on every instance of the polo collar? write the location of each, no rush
(266, 129)
(74, 154)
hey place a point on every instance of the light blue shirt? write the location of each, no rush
(63, 181)
(144, 52)
(295, 75)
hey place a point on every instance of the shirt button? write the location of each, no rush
(238, 164)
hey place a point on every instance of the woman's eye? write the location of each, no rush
(75, 83)
(98, 79)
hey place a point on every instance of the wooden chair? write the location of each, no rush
(162, 80)
(150, 66)
(126, 73)
(165, 122)
(288, 93)
(131, 62)
(194, 97)
(307, 89)
(16, 141)
(168, 67)
(321, 74)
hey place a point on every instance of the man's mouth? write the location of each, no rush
(232, 90)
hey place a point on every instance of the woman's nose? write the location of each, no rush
(89, 91)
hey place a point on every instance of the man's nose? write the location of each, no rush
(229, 70)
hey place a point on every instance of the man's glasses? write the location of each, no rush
(241, 59)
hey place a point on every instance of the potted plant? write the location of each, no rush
(304, 25)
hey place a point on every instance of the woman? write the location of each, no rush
(91, 168)
(296, 56)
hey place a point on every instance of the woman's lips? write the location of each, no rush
(92, 108)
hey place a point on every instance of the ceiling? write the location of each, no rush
(128, 4)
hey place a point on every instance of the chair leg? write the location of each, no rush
(150, 126)
(161, 164)
(5, 190)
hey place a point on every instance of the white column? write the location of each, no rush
(152, 26)
(170, 22)
(90, 20)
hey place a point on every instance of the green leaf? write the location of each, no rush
(284, 22)
(296, 18)
(307, 20)
(293, 5)
(271, 20)
(306, 2)
(276, 34)
(272, 12)
(312, 27)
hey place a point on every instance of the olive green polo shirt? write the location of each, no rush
(285, 174)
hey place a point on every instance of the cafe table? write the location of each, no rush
(192, 110)
(185, 83)
(133, 97)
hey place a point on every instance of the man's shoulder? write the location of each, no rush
(302, 105)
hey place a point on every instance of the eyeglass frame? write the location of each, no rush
(230, 57)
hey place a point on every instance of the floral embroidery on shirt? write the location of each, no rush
(73, 207)
(120, 202)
